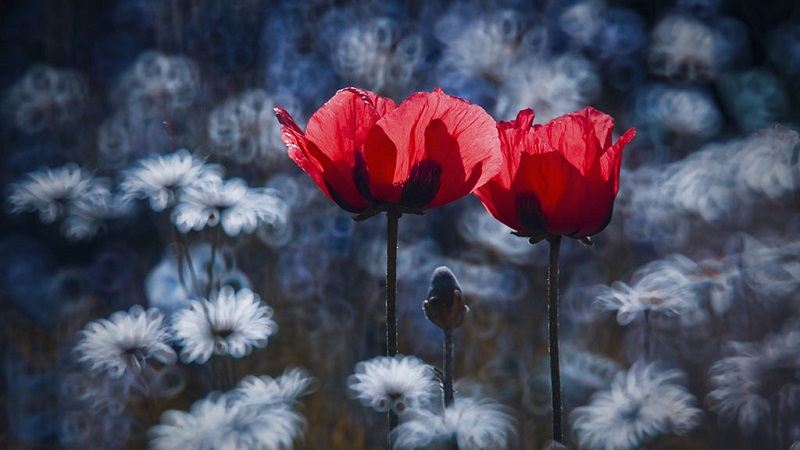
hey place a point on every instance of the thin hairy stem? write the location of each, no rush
(552, 322)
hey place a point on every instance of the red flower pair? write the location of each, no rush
(368, 154)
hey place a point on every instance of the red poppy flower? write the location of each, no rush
(558, 179)
(368, 154)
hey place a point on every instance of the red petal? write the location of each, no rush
(523, 121)
(499, 201)
(572, 135)
(611, 161)
(338, 129)
(459, 136)
(297, 146)
(603, 125)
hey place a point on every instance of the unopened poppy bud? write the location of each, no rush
(445, 303)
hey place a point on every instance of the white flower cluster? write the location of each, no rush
(46, 97)
(237, 208)
(757, 380)
(642, 404)
(259, 413)
(474, 424)
(199, 196)
(407, 386)
(68, 193)
(725, 185)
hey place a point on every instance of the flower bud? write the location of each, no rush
(445, 303)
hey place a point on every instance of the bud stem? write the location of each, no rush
(552, 322)
(447, 368)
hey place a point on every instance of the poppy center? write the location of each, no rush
(422, 185)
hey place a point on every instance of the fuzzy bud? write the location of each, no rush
(445, 303)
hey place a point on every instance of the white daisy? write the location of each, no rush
(48, 191)
(230, 324)
(642, 404)
(265, 390)
(397, 383)
(46, 97)
(749, 385)
(125, 341)
(220, 422)
(231, 204)
(474, 424)
(243, 128)
(157, 84)
(159, 179)
(86, 214)
(660, 287)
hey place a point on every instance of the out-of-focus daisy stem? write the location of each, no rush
(648, 338)
(185, 255)
(215, 237)
(552, 322)
(392, 219)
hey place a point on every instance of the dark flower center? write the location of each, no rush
(529, 213)
(423, 184)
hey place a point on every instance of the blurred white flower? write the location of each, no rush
(484, 44)
(659, 287)
(125, 341)
(684, 111)
(375, 55)
(232, 204)
(157, 84)
(265, 390)
(220, 422)
(772, 272)
(45, 97)
(682, 46)
(642, 404)
(86, 214)
(551, 86)
(244, 128)
(48, 191)
(233, 323)
(474, 424)
(757, 380)
(160, 179)
(398, 383)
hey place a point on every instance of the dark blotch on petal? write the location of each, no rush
(341, 201)
(361, 176)
(529, 213)
(423, 184)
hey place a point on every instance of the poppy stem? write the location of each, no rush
(447, 368)
(392, 219)
(552, 322)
